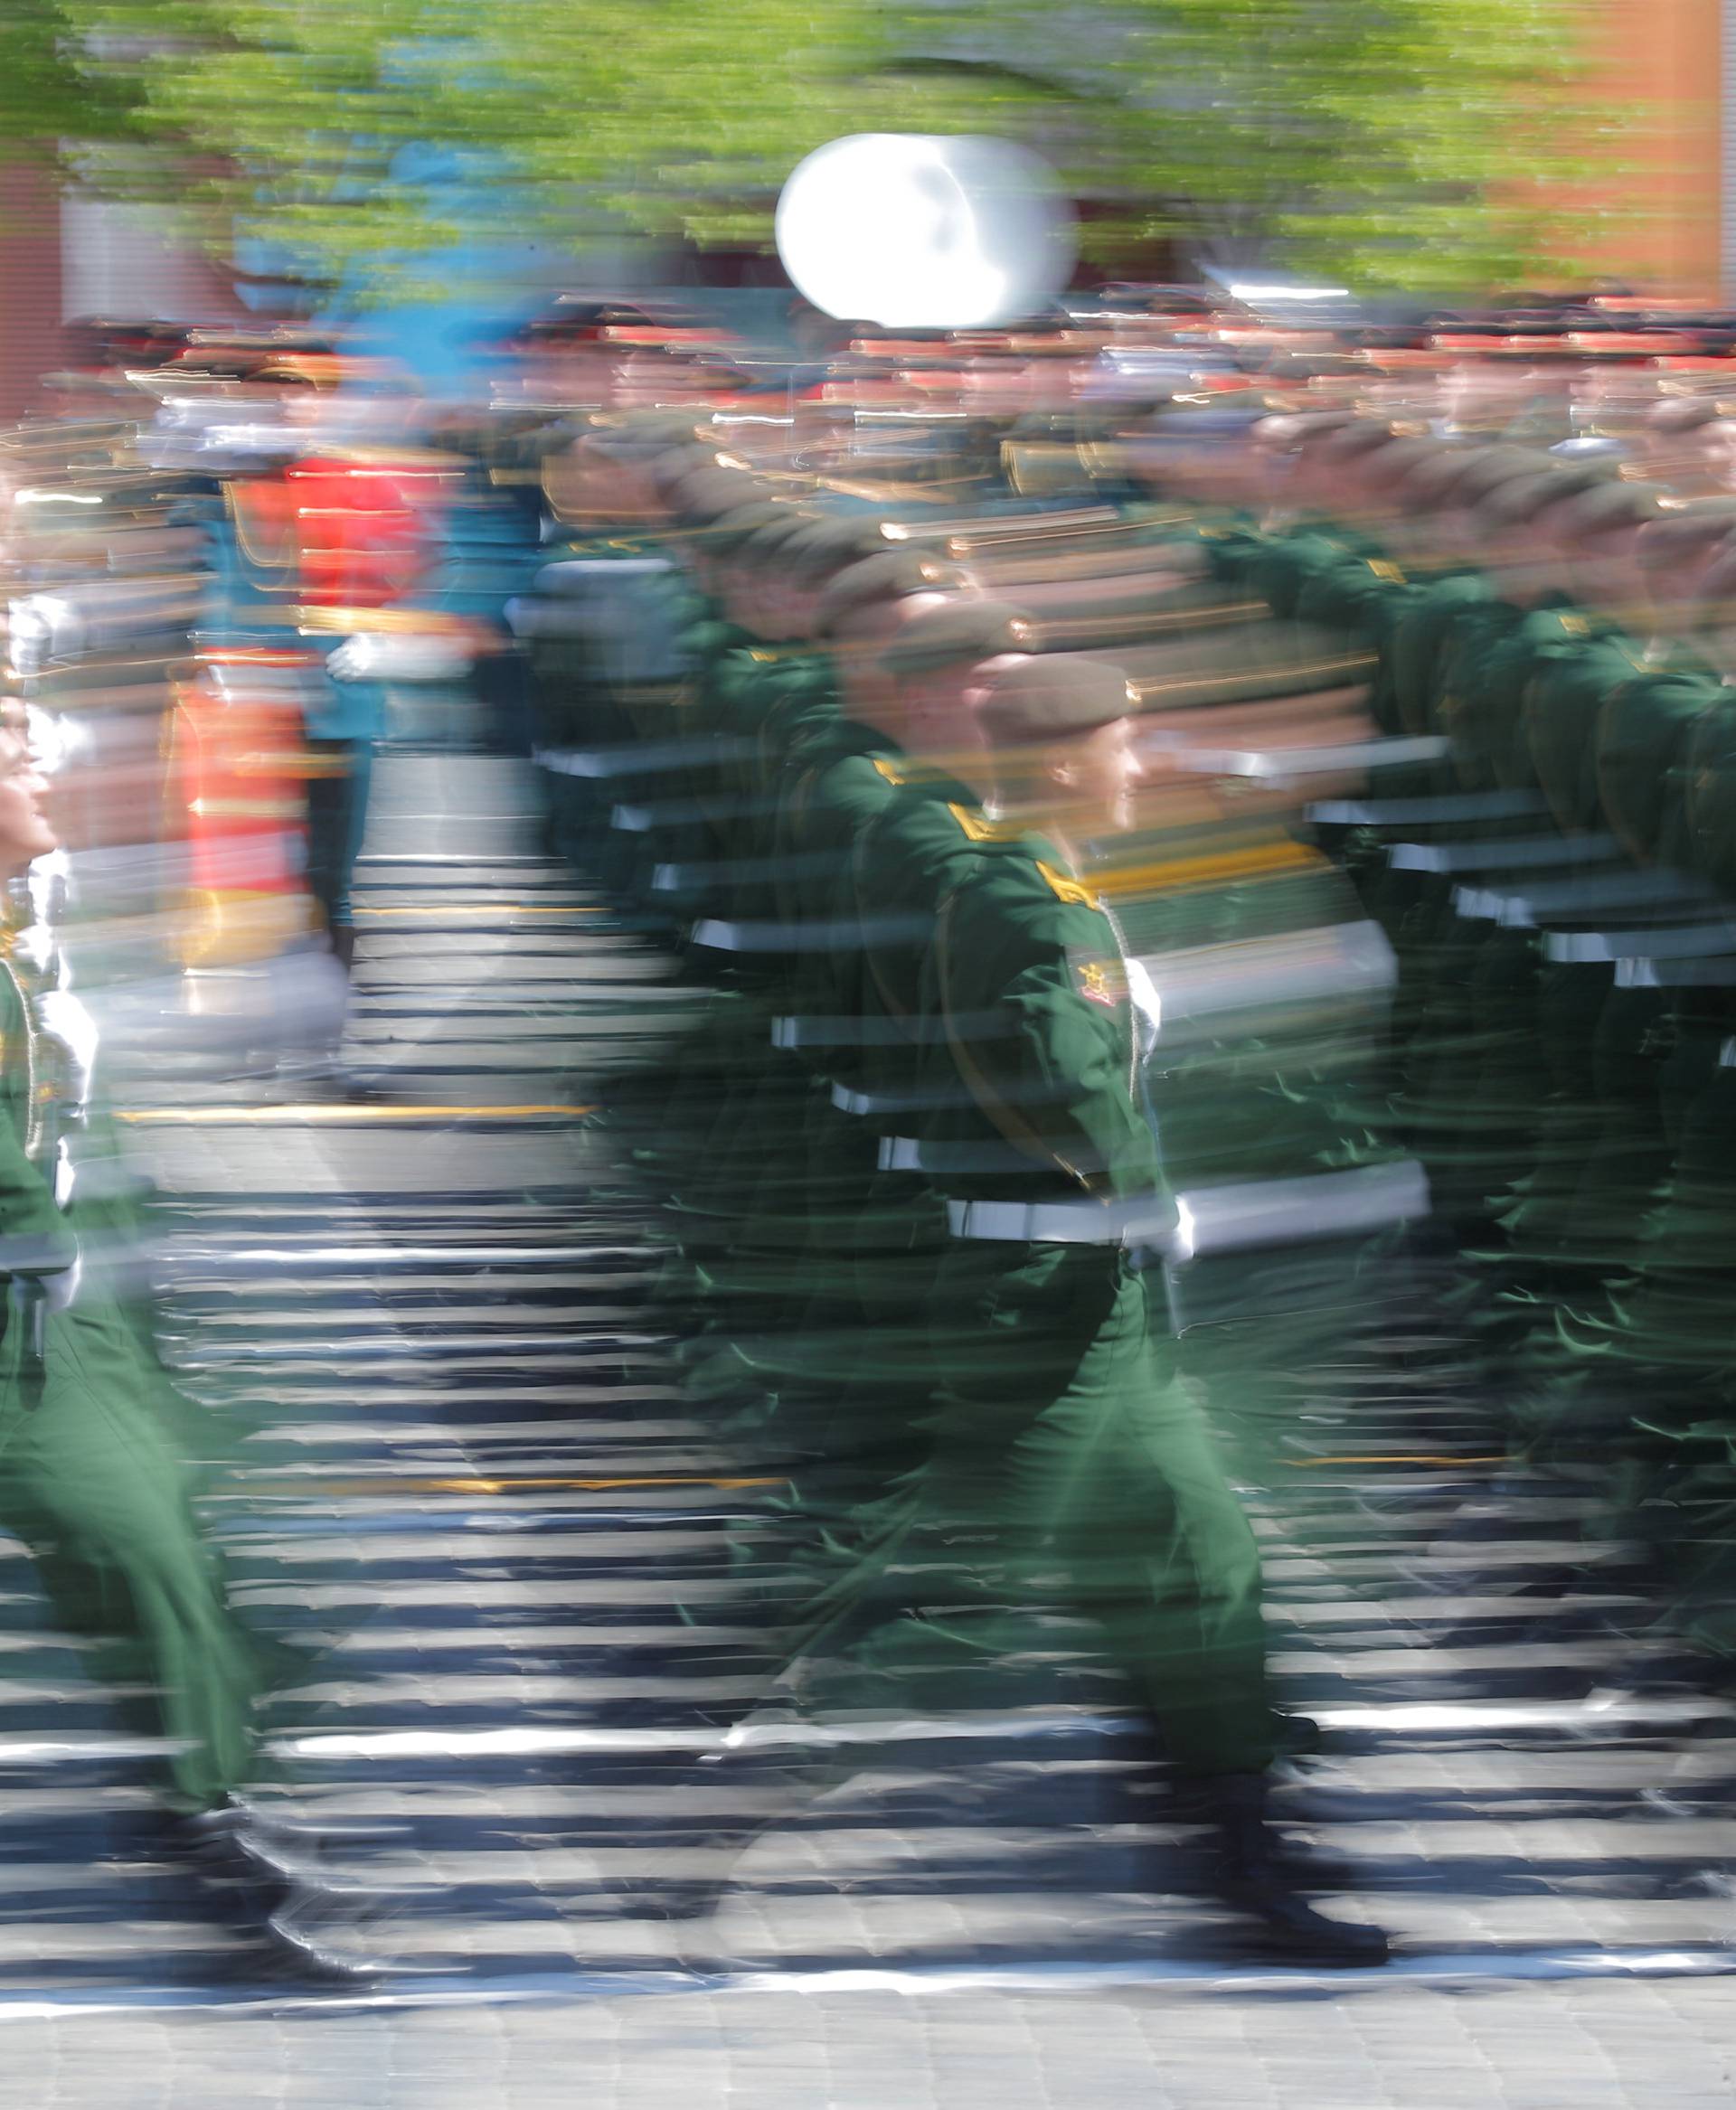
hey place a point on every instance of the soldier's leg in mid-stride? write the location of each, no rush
(1066, 1440)
(88, 1461)
(93, 1477)
(1069, 1456)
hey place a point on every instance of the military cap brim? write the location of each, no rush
(1686, 413)
(961, 634)
(832, 545)
(1691, 515)
(772, 543)
(670, 466)
(707, 494)
(1486, 468)
(1717, 589)
(734, 532)
(1288, 429)
(1430, 480)
(1398, 457)
(1523, 498)
(888, 576)
(658, 428)
(1361, 437)
(1613, 506)
(1586, 473)
(1060, 696)
(1686, 525)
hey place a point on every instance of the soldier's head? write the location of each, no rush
(1386, 469)
(942, 662)
(1214, 457)
(817, 550)
(1599, 533)
(1509, 525)
(762, 593)
(590, 483)
(1466, 483)
(26, 831)
(1675, 551)
(1689, 443)
(1714, 612)
(865, 609)
(700, 495)
(1317, 456)
(1060, 730)
(738, 578)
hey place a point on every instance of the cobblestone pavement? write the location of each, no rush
(1502, 2045)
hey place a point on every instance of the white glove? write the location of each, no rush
(384, 655)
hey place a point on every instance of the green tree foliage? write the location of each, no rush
(1403, 142)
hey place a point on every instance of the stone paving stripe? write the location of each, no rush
(342, 1117)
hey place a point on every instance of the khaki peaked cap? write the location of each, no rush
(967, 630)
(1060, 697)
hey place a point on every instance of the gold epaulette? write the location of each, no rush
(1069, 891)
(976, 826)
(1263, 860)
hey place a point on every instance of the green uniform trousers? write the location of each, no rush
(1071, 1473)
(93, 1479)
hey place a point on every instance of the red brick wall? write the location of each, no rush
(30, 285)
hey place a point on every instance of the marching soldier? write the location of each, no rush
(1069, 1470)
(93, 1472)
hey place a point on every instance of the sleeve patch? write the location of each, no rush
(889, 770)
(1099, 981)
(975, 826)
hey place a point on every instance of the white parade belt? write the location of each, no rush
(1210, 1219)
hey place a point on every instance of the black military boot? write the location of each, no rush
(1253, 1868)
(265, 1881)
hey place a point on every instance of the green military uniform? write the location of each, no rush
(93, 1444)
(1578, 1023)
(798, 1170)
(1069, 1470)
(1649, 1044)
(1672, 1320)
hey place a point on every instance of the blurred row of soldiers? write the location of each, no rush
(1141, 918)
